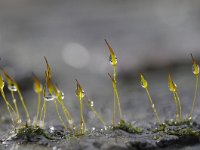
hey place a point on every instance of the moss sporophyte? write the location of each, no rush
(113, 62)
(144, 84)
(51, 92)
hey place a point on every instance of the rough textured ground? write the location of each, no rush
(168, 135)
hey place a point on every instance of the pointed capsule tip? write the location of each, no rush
(169, 78)
(143, 82)
(109, 47)
(106, 41)
(76, 81)
(34, 76)
(193, 60)
(45, 58)
(141, 76)
(170, 75)
(78, 84)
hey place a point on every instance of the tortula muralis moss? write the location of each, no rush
(51, 92)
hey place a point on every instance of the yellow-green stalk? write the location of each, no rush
(80, 95)
(13, 87)
(6, 101)
(48, 97)
(173, 88)
(38, 89)
(43, 109)
(177, 107)
(61, 120)
(91, 105)
(113, 62)
(60, 97)
(117, 96)
(144, 84)
(16, 107)
(195, 70)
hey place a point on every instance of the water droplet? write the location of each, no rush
(105, 127)
(82, 93)
(143, 82)
(111, 61)
(93, 128)
(153, 106)
(49, 97)
(189, 118)
(51, 129)
(12, 87)
(91, 103)
(172, 87)
(4, 142)
(195, 69)
(61, 95)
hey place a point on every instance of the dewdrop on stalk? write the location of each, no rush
(195, 66)
(49, 97)
(60, 98)
(144, 84)
(113, 62)
(195, 70)
(13, 87)
(80, 95)
(79, 91)
(60, 94)
(91, 103)
(112, 57)
(173, 88)
(46, 96)
(9, 107)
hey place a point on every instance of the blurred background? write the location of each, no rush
(155, 37)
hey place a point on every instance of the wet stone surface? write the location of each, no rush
(166, 135)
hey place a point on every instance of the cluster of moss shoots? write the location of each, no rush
(51, 92)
